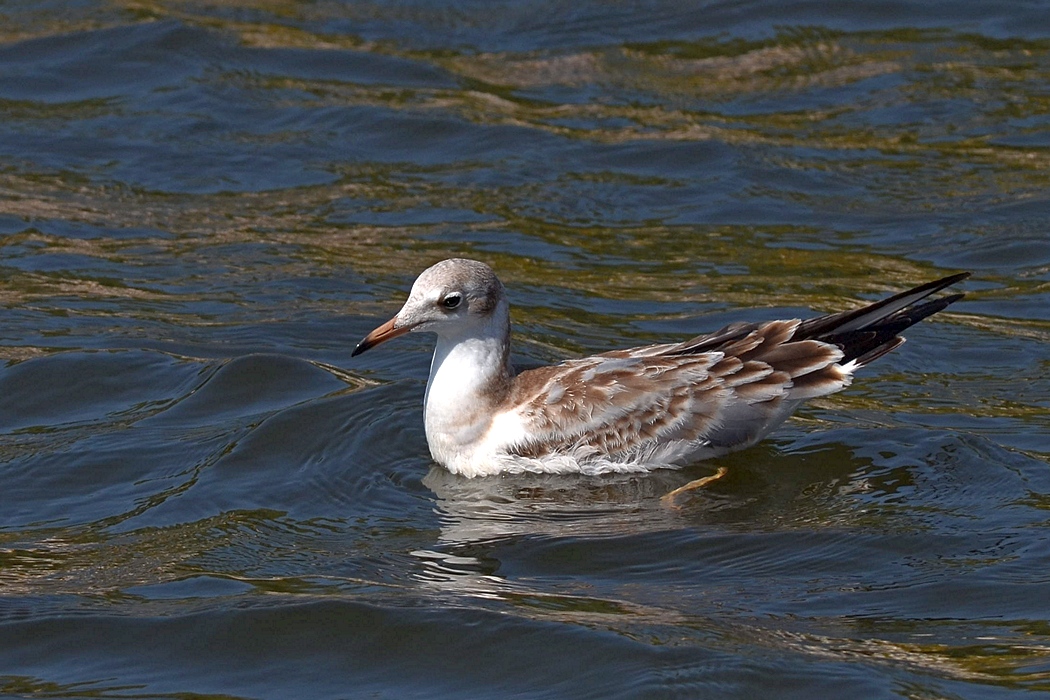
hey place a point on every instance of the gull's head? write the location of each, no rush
(448, 298)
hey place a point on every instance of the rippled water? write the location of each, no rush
(203, 206)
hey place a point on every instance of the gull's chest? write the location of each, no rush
(462, 393)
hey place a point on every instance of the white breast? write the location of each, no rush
(467, 369)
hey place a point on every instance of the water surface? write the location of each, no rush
(203, 206)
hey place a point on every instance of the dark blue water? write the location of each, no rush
(203, 207)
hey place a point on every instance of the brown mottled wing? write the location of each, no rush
(651, 402)
(812, 365)
(615, 407)
(714, 393)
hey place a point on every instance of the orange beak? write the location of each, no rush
(380, 335)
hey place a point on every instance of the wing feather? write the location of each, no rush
(623, 404)
(708, 395)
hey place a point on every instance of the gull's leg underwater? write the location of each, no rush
(668, 498)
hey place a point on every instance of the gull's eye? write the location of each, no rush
(451, 301)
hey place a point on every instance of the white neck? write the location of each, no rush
(468, 375)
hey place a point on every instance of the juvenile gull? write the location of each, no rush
(627, 410)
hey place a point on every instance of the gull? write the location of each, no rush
(643, 408)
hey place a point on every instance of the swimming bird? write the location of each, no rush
(638, 409)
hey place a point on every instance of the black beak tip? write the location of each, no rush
(361, 347)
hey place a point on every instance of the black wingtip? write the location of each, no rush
(882, 335)
(870, 315)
